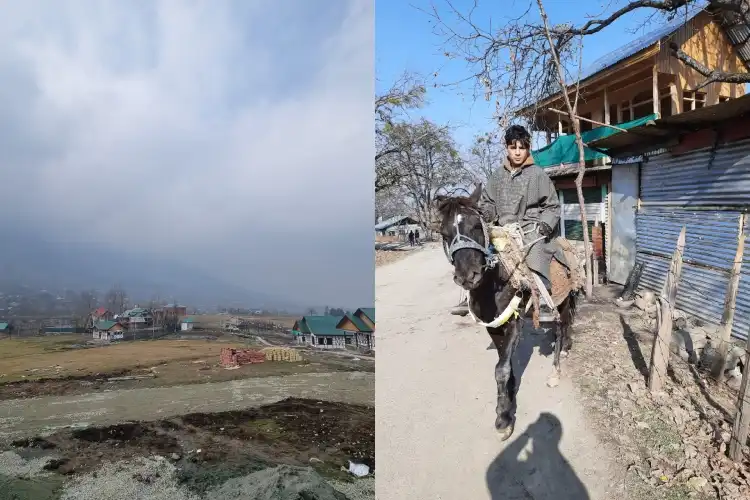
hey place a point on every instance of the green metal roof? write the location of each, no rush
(105, 325)
(361, 325)
(369, 312)
(565, 150)
(188, 320)
(324, 325)
(301, 326)
(4, 326)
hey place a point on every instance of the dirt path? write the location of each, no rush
(27, 416)
(435, 405)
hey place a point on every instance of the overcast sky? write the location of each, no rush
(233, 136)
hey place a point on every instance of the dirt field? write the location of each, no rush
(47, 366)
(209, 449)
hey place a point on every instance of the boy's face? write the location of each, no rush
(517, 153)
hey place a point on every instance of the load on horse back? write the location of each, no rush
(490, 264)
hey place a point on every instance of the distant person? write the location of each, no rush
(411, 238)
(416, 236)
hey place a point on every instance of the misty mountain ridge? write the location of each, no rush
(29, 261)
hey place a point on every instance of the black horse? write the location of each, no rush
(491, 296)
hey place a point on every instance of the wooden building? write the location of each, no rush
(629, 88)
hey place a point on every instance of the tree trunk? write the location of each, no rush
(582, 206)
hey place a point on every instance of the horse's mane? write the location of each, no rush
(447, 205)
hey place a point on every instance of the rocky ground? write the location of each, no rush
(285, 450)
(674, 442)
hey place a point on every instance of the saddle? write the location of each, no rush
(565, 277)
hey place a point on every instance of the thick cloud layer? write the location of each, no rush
(232, 136)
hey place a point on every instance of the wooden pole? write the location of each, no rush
(655, 89)
(727, 318)
(589, 120)
(660, 350)
(607, 118)
(742, 417)
(594, 256)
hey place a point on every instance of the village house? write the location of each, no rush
(98, 314)
(187, 324)
(136, 318)
(693, 170)
(362, 325)
(636, 85)
(108, 330)
(397, 227)
(321, 332)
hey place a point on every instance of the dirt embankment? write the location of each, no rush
(210, 449)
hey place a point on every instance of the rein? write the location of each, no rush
(461, 241)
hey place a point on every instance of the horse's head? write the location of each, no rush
(465, 237)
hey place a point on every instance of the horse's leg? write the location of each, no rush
(505, 340)
(562, 340)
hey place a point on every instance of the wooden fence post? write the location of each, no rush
(665, 312)
(727, 318)
(742, 417)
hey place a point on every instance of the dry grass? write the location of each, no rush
(215, 321)
(29, 359)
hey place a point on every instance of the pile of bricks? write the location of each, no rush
(282, 354)
(236, 357)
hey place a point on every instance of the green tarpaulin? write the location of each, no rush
(564, 149)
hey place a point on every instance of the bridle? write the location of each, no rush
(462, 241)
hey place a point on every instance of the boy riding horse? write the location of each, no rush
(520, 191)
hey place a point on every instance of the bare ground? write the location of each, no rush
(435, 405)
(58, 366)
(436, 397)
(23, 417)
(673, 444)
(204, 450)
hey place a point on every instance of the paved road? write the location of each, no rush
(435, 401)
(27, 416)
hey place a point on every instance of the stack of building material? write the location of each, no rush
(235, 357)
(282, 354)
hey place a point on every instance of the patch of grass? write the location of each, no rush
(200, 478)
(266, 427)
(39, 488)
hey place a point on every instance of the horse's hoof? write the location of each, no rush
(506, 432)
(553, 380)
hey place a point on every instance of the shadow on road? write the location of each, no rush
(530, 339)
(532, 467)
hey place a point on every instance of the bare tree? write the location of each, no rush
(116, 299)
(485, 156)
(433, 165)
(407, 93)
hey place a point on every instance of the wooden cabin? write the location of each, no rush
(643, 78)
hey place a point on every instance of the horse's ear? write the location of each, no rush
(439, 201)
(477, 194)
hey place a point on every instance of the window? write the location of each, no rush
(693, 100)
(613, 113)
(625, 112)
(586, 126)
(642, 105)
(348, 340)
(329, 341)
(320, 341)
(573, 226)
(665, 102)
(303, 339)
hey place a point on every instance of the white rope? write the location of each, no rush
(510, 311)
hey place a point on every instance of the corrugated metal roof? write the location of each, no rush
(642, 138)
(324, 325)
(393, 221)
(639, 44)
(361, 326)
(739, 35)
(369, 312)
